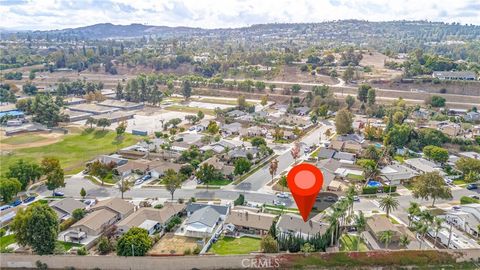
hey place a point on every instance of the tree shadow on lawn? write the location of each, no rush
(100, 134)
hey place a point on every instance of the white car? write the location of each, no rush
(139, 182)
(282, 195)
(279, 203)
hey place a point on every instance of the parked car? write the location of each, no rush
(474, 197)
(356, 198)
(146, 177)
(279, 203)
(5, 207)
(282, 195)
(472, 186)
(58, 194)
(16, 203)
(139, 182)
(29, 199)
(330, 199)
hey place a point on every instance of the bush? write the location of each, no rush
(158, 206)
(172, 223)
(67, 223)
(196, 250)
(468, 200)
(82, 251)
(389, 189)
(104, 246)
(181, 200)
(78, 214)
(2, 232)
(187, 252)
(369, 190)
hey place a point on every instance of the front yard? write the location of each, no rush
(231, 245)
(349, 243)
(6, 240)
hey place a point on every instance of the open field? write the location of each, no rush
(72, 151)
(171, 244)
(28, 140)
(22, 139)
(231, 245)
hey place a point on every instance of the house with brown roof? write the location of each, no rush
(218, 164)
(64, 208)
(379, 224)
(292, 224)
(120, 207)
(150, 219)
(248, 222)
(95, 223)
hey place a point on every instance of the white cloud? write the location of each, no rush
(57, 14)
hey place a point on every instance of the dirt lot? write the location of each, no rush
(171, 244)
(28, 140)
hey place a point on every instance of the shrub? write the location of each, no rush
(158, 206)
(82, 251)
(187, 252)
(67, 223)
(104, 246)
(196, 250)
(468, 200)
(78, 214)
(389, 188)
(369, 190)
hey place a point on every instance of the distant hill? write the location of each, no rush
(344, 30)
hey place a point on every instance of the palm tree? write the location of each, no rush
(386, 237)
(350, 198)
(360, 224)
(422, 229)
(404, 241)
(437, 226)
(124, 186)
(273, 168)
(413, 210)
(388, 204)
(333, 220)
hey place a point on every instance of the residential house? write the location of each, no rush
(292, 224)
(302, 111)
(450, 129)
(139, 165)
(254, 131)
(336, 145)
(466, 218)
(325, 153)
(247, 222)
(94, 224)
(236, 113)
(345, 157)
(242, 152)
(396, 173)
(421, 165)
(158, 168)
(120, 207)
(221, 146)
(231, 129)
(64, 208)
(108, 159)
(151, 219)
(378, 224)
(472, 116)
(218, 164)
(203, 219)
(455, 75)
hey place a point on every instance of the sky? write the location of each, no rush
(60, 14)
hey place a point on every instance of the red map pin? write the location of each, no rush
(305, 181)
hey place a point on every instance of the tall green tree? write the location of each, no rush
(136, 242)
(187, 89)
(362, 92)
(350, 101)
(37, 226)
(172, 180)
(431, 186)
(25, 172)
(386, 238)
(242, 165)
(388, 204)
(9, 187)
(343, 122)
(371, 96)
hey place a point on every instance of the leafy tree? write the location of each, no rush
(83, 193)
(260, 85)
(398, 118)
(350, 101)
(257, 141)
(269, 244)
(104, 245)
(9, 187)
(187, 89)
(371, 95)
(46, 111)
(413, 210)
(468, 166)
(172, 181)
(404, 241)
(123, 186)
(283, 182)
(398, 136)
(242, 165)
(388, 204)
(207, 173)
(347, 75)
(240, 200)
(436, 101)
(103, 122)
(136, 242)
(264, 100)
(343, 122)
(200, 115)
(436, 153)
(29, 89)
(37, 227)
(78, 214)
(91, 121)
(296, 88)
(386, 238)
(55, 179)
(25, 172)
(295, 151)
(431, 185)
(120, 129)
(241, 102)
(213, 128)
(362, 93)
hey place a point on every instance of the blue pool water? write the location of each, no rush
(373, 183)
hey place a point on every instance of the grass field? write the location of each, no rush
(21, 139)
(347, 243)
(230, 245)
(73, 151)
(186, 109)
(6, 240)
(67, 245)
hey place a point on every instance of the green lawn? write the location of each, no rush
(6, 240)
(73, 151)
(67, 245)
(230, 245)
(21, 139)
(347, 243)
(355, 177)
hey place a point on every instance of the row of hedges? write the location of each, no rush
(375, 190)
(468, 200)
